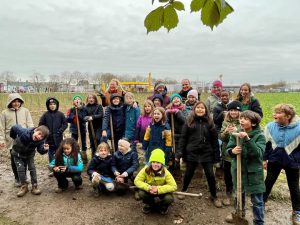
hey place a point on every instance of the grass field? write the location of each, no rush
(35, 102)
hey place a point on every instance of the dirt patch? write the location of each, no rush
(81, 207)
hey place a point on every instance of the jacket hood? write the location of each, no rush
(12, 97)
(52, 99)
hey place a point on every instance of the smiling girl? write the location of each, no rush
(199, 145)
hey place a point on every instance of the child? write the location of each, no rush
(158, 100)
(100, 170)
(131, 115)
(67, 163)
(252, 146)
(199, 145)
(221, 109)
(176, 109)
(156, 184)
(72, 119)
(142, 123)
(56, 123)
(94, 118)
(283, 152)
(116, 110)
(125, 163)
(15, 113)
(192, 98)
(26, 141)
(158, 135)
(230, 124)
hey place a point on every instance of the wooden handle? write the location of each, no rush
(239, 178)
(78, 128)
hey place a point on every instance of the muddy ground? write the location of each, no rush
(81, 207)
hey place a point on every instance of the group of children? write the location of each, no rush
(188, 131)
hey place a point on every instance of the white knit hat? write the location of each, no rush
(124, 142)
(193, 93)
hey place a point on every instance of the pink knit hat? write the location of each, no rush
(193, 93)
(217, 83)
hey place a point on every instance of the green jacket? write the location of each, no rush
(165, 184)
(224, 136)
(252, 159)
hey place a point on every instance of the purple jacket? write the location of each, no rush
(141, 125)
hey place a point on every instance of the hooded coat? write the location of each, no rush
(55, 121)
(11, 117)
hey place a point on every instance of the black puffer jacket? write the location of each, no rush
(199, 144)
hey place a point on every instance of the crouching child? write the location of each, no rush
(26, 142)
(156, 184)
(67, 163)
(100, 170)
(125, 163)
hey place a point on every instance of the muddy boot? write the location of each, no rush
(226, 201)
(23, 190)
(217, 202)
(84, 157)
(229, 218)
(51, 174)
(35, 190)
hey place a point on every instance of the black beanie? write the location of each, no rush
(234, 105)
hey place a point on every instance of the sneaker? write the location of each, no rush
(164, 210)
(23, 190)
(146, 209)
(217, 202)
(296, 218)
(58, 190)
(226, 201)
(35, 190)
(229, 218)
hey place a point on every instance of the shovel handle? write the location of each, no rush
(239, 178)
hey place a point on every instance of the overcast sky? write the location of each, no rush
(258, 43)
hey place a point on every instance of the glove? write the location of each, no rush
(95, 174)
(117, 173)
(101, 95)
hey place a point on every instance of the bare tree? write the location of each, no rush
(66, 77)
(7, 76)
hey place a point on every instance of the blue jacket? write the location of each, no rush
(24, 146)
(127, 162)
(71, 118)
(101, 166)
(69, 163)
(131, 117)
(283, 144)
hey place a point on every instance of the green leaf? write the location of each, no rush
(170, 18)
(196, 5)
(163, 0)
(210, 15)
(178, 5)
(154, 20)
(227, 10)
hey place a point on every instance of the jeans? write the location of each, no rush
(163, 200)
(63, 182)
(209, 173)
(257, 208)
(51, 152)
(21, 164)
(292, 175)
